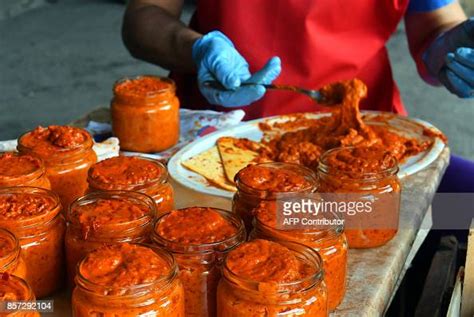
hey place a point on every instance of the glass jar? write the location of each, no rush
(368, 175)
(67, 154)
(103, 218)
(22, 170)
(145, 113)
(155, 298)
(265, 181)
(199, 263)
(328, 240)
(34, 216)
(13, 289)
(11, 260)
(134, 173)
(239, 296)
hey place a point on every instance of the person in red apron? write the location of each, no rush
(308, 43)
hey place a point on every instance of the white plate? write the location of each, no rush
(250, 130)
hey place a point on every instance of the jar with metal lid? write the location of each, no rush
(128, 280)
(22, 170)
(11, 260)
(34, 216)
(265, 182)
(17, 297)
(328, 240)
(266, 278)
(67, 154)
(134, 173)
(145, 113)
(199, 250)
(101, 218)
(365, 176)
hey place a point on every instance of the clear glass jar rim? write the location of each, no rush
(34, 175)
(133, 290)
(202, 248)
(151, 94)
(112, 194)
(33, 222)
(161, 179)
(326, 169)
(13, 256)
(305, 283)
(241, 186)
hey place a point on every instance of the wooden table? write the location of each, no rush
(373, 274)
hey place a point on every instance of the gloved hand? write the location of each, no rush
(217, 59)
(450, 58)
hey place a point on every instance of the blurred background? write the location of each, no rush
(60, 59)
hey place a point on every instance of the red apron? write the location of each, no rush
(318, 41)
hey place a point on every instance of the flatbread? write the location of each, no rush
(208, 164)
(236, 154)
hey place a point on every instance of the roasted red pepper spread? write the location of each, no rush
(195, 225)
(124, 170)
(310, 138)
(272, 179)
(24, 205)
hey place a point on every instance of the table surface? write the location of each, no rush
(372, 273)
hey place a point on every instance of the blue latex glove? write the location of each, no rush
(450, 58)
(217, 59)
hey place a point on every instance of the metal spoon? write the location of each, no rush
(315, 95)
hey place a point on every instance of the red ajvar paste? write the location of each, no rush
(127, 280)
(20, 206)
(16, 165)
(12, 289)
(266, 261)
(103, 212)
(33, 215)
(272, 179)
(134, 173)
(145, 114)
(67, 153)
(309, 138)
(199, 238)
(22, 170)
(11, 260)
(124, 171)
(258, 283)
(104, 221)
(123, 265)
(363, 171)
(329, 242)
(142, 86)
(45, 140)
(195, 225)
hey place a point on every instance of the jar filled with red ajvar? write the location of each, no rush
(22, 170)
(15, 289)
(67, 154)
(368, 175)
(265, 182)
(11, 260)
(104, 218)
(145, 113)
(134, 173)
(199, 238)
(34, 216)
(128, 280)
(328, 240)
(265, 278)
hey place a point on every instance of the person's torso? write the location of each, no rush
(318, 41)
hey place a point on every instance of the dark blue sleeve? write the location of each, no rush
(427, 5)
